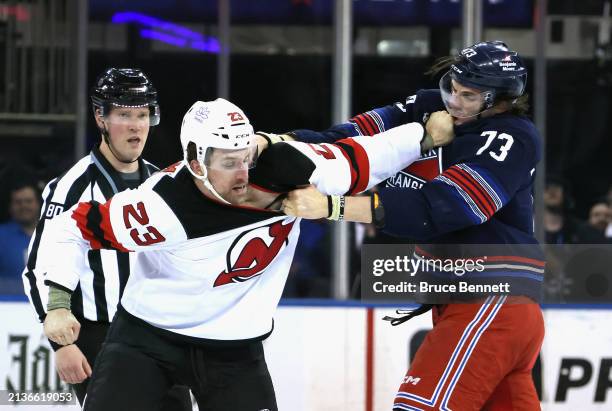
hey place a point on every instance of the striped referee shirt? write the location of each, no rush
(103, 273)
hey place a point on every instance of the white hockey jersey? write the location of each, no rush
(210, 270)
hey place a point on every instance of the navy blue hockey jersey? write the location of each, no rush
(475, 191)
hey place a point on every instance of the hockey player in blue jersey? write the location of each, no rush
(477, 190)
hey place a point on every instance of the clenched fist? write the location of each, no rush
(61, 326)
(306, 202)
(440, 127)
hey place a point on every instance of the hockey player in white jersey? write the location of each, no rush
(215, 257)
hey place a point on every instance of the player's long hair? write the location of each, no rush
(520, 107)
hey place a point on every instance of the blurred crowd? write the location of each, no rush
(561, 224)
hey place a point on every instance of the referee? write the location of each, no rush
(125, 107)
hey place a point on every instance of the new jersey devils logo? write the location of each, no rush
(253, 251)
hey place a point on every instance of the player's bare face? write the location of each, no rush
(465, 102)
(228, 172)
(128, 128)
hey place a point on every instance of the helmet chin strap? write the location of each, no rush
(207, 184)
(107, 140)
(478, 115)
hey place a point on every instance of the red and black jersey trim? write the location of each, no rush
(93, 220)
(358, 163)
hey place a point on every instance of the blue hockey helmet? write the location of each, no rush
(491, 67)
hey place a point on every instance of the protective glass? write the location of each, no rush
(464, 103)
(142, 116)
(229, 159)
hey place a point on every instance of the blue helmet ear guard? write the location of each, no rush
(491, 66)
